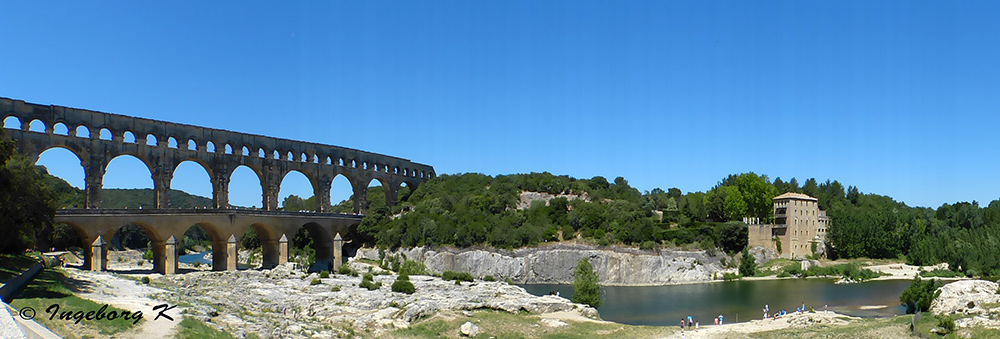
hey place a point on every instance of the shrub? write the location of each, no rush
(345, 269)
(145, 280)
(489, 278)
(148, 255)
(413, 267)
(335, 289)
(920, 294)
(939, 273)
(403, 285)
(324, 274)
(366, 282)
(511, 282)
(586, 289)
(315, 281)
(730, 276)
(946, 323)
(647, 245)
(748, 264)
(457, 276)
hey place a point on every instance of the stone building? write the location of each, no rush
(798, 224)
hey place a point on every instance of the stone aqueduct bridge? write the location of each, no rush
(163, 145)
(220, 152)
(166, 226)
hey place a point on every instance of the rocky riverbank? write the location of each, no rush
(555, 264)
(287, 303)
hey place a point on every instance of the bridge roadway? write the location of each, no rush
(225, 228)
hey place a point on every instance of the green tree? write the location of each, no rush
(748, 264)
(733, 236)
(920, 294)
(26, 204)
(586, 286)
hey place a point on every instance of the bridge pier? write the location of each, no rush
(165, 256)
(282, 250)
(225, 254)
(161, 186)
(98, 255)
(338, 252)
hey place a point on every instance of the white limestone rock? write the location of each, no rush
(469, 329)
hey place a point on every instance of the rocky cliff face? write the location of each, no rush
(555, 264)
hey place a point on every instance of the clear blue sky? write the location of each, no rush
(900, 98)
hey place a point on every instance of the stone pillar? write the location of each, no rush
(270, 196)
(338, 252)
(322, 194)
(360, 199)
(94, 181)
(159, 253)
(282, 250)
(170, 256)
(269, 252)
(161, 186)
(270, 187)
(232, 254)
(392, 195)
(99, 254)
(220, 188)
(219, 254)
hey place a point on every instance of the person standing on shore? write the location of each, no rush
(682, 324)
(720, 319)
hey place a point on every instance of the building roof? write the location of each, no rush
(795, 196)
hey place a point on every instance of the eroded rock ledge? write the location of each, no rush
(555, 264)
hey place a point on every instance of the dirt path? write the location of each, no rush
(106, 288)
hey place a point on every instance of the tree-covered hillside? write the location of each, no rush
(472, 209)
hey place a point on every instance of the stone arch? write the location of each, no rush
(12, 122)
(339, 191)
(192, 145)
(129, 137)
(105, 134)
(37, 125)
(85, 131)
(248, 189)
(284, 183)
(321, 242)
(180, 172)
(79, 157)
(210, 147)
(152, 140)
(269, 243)
(60, 128)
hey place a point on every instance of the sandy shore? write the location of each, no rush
(754, 326)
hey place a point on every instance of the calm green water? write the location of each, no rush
(739, 301)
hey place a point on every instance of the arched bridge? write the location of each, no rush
(166, 227)
(97, 138)
(163, 145)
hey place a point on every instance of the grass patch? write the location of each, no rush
(895, 327)
(503, 325)
(12, 265)
(191, 328)
(53, 287)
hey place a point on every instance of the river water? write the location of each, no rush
(195, 257)
(739, 301)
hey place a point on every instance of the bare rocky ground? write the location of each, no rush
(284, 303)
(976, 303)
